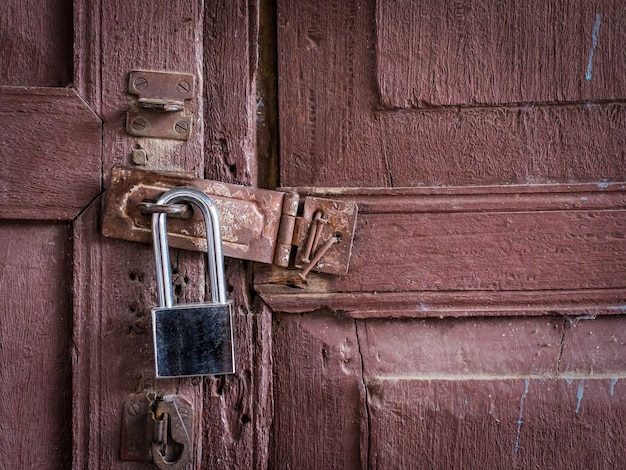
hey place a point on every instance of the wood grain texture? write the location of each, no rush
(496, 424)
(452, 53)
(320, 397)
(488, 393)
(337, 130)
(230, 29)
(239, 408)
(35, 319)
(36, 43)
(50, 154)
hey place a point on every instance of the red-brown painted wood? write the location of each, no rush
(515, 424)
(320, 416)
(339, 122)
(36, 43)
(35, 338)
(460, 104)
(443, 53)
(50, 154)
(232, 414)
(500, 250)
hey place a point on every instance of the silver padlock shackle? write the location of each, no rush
(214, 244)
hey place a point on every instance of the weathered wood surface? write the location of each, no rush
(448, 393)
(506, 392)
(320, 411)
(336, 130)
(233, 414)
(490, 250)
(453, 53)
(35, 339)
(50, 155)
(447, 99)
(113, 310)
(36, 43)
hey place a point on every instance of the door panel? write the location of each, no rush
(472, 140)
(35, 339)
(51, 153)
(36, 43)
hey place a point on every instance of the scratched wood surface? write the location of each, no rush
(36, 318)
(461, 104)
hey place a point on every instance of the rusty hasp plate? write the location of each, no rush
(322, 220)
(249, 217)
(256, 224)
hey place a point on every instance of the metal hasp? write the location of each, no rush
(158, 430)
(273, 227)
(191, 339)
(159, 110)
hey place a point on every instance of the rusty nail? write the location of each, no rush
(331, 241)
(312, 235)
(140, 83)
(181, 127)
(183, 87)
(316, 241)
(133, 409)
(139, 124)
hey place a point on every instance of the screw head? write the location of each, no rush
(133, 409)
(183, 87)
(181, 127)
(140, 83)
(139, 124)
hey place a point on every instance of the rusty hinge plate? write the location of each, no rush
(257, 224)
(159, 110)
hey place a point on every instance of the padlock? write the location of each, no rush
(192, 339)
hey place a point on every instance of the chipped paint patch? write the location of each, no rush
(579, 395)
(594, 42)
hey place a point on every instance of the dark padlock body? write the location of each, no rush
(193, 339)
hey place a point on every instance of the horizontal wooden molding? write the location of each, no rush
(493, 251)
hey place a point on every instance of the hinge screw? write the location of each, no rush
(139, 124)
(181, 127)
(183, 87)
(133, 409)
(140, 83)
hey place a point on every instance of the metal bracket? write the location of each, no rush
(158, 430)
(257, 224)
(160, 107)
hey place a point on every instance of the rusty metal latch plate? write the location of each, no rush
(159, 430)
(159, 110)
(257, 224)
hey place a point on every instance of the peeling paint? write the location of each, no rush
(521, 412)
(594, 42)
(613, 382)
(579, 394)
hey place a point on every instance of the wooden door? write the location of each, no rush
(76, 342)
(481, 323)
